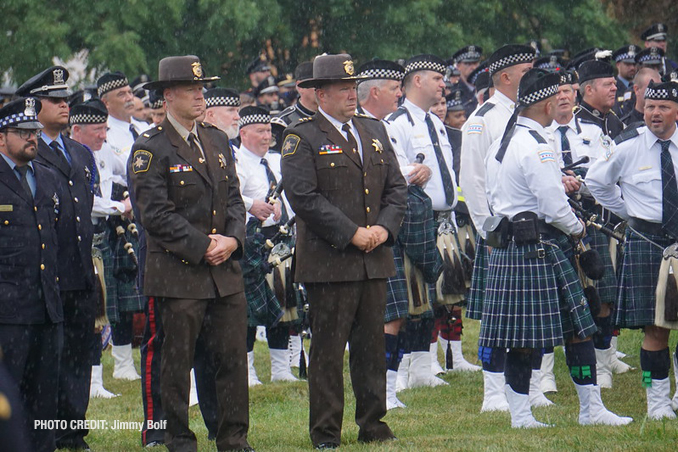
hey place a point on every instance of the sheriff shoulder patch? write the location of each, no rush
(290, 145)
(141, 161)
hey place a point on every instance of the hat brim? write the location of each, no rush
(56, 94)
(30, 125)
(317, 82)
(162, 84)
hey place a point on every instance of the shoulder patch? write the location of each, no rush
(487, 106)
(474, 129)
(627, 134)
(546, 155)
(142, 161)
(290, 145)
(538, 137)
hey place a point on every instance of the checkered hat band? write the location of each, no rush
(539, 95)
(222, 102)
(86, 118)
(657, 94)
(113, 84)
(425, 66)
(468, 56)
(453, 103)
(16, 118)
(510, 60)
(157, 104)
(624, 56)
(649, 57)
(254, 119)
(390, 74)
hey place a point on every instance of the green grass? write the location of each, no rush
(436, 419)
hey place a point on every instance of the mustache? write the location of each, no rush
(129, 104)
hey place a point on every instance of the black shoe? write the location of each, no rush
(327, 445)
(154, 444)
(77, 444)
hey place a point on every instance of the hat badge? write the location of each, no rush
(58, 75)
(674, 92)
(457, 96)
(197, 69)
(29, 109)
(348, 67)
(471, 49)
(653, 51)
(660, 27)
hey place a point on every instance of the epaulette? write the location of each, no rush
(399, 112)
(208, 125)
(538, 137)
(361, 115)
(301, 121)
(627, 134)
(286, 111)
(152, 132)
(487, 106)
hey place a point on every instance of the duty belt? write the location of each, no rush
(646, 227)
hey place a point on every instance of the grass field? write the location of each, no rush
(436, 419)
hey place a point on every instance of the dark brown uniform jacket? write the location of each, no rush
(182, 200)
(333, 193)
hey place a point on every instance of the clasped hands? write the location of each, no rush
(368, 239)
(220, 249)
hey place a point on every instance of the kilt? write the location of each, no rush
(476, 294)
(121, 295)
(608, 284)
(532, 303)
(397, 303)
(638, 280)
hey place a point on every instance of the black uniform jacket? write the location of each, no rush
(29, 290)
(182, 199)
(74, 228)
(333, 193)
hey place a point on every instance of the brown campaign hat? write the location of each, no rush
(176, 70)
(331, 68)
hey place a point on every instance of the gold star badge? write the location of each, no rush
(142, 161)
(378, 147)
(222, 161)
(290, 144)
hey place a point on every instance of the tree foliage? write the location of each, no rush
(132, 35)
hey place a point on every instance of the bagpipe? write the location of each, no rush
(666, 308)
(124, 241)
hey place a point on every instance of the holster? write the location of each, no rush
(497, 229)
(525, 228)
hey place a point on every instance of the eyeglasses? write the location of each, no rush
(25, 134)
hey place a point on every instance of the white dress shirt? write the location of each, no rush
(414, 139)
(120, 138)
(109, 168)
(529, 179)
(478, 133)
(628, 180)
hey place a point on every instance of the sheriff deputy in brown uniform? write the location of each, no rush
(186, 190)
(343, 181)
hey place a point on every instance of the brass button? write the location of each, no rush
(43, 246)
(226, 177)
(332, 164)
(367, 227)
(382, 160)
(57, 279)
(75, 199)
(42, 266)
(6, 222)
(77, 219)
(354, 150)
(367, 191)
(214, 231)
(365, 174)
(79, 239)
(35, 208)
(70, 182)
(159, 128)
(214, 212)
(39, 227)
(181, 183)
(201, 160)
(368, 210)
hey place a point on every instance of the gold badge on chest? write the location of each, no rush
(222, 161)
(378, 147)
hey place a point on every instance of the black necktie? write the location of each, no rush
(22, 170)
(444, 171)
(350, 138)
(565, 145)
(135, 134)
(60, 155)
(669, 192)
(271, 182)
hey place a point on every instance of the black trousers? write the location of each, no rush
(75, 369)
(353, 312)
(222, 323)
(31, 354)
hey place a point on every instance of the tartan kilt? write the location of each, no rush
(476, 294)
(397, 303)
(532, 303)
(121, 295)
(638, 280)
(608, 284)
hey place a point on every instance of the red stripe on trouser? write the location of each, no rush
(150, 352)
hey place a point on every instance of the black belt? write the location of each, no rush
(546, 230)
(646, 227)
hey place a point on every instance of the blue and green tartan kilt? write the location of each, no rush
(476, 293)
(532, 303)
(606, 286)
(397, 303)
(121, 295)
(638, 280)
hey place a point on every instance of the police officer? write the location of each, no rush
(656, 35)
(506, 67)
(222, 106)
(186, 191)
(341, 179)
(306, 105)
(72, 164)
(625, 62)
(522, 312)
(643, 164)
(31, 315)
(635, 115)
(466, 60)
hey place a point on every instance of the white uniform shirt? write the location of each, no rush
(120, 138)
(478, 133)
(578, 147)
(415, 139)
(634, 164)
(109, 167)
(529, 179)
(254, 182)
